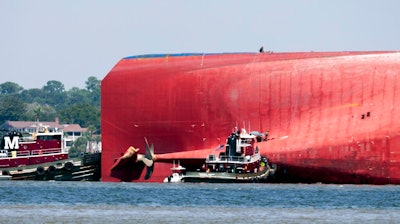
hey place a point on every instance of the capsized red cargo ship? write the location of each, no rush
(332, 117)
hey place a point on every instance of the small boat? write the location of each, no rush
(4, 176)
(178, 174)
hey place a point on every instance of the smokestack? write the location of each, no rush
(57, 120)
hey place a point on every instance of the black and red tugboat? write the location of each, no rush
(241, 162)
(40, 153)
(40, 147)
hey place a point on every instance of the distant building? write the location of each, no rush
(71, 131)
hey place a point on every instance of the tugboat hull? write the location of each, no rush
(204, 177)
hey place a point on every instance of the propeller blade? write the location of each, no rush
(152, 150)
(148, 159)
(149, 149)
(149, 172)
(147, 162)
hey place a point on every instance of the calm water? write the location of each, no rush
(96, 202)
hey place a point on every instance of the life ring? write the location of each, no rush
(68, 166)
(40, 170)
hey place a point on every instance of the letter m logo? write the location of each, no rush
(8, 144)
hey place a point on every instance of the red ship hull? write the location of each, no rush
(332, 117)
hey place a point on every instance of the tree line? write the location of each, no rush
(74, 106)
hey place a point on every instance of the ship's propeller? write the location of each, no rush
(148, 159)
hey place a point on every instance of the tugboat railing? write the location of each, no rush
(231, 158)
(46, 151)
(212, 158)
(23, 153)
(36, 152)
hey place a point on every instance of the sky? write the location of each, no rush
(69, 41)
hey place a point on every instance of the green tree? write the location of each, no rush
(54, 93)
(82, 114)
(78, 147)
(11, 108)
(8, 88)
(77, 96)
(34, 95)
(53, 87)
(36, 111)
(91, 130)
(93, 85)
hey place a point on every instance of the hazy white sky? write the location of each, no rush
(69, 41)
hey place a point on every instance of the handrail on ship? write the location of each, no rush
(46, 151)
(231, 158)
(35, 152)
(225, 158)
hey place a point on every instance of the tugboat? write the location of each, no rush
(241, 162)
(37, 151)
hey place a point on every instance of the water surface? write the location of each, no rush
(97, 202)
